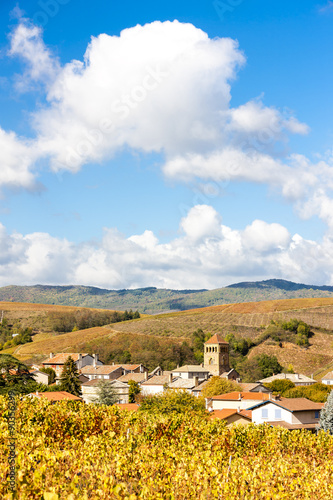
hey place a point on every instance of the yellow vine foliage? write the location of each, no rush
(80, 452)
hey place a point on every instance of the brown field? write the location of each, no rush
(36, 315)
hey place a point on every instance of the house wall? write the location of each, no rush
(257, 417)
(147, 390)
(89, 393)
(327, 381)
(243, 404)
(189, 375)
(237, 420)
(41, 378)
(304, 417)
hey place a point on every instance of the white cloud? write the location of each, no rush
(219, 257)
(262, 237)
(26, 42)
(161, 87)
(201, 222)
(16, 161)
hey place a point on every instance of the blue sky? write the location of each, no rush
(217, 169)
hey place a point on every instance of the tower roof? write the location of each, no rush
(216, 339)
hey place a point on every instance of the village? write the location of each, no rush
(255, 403)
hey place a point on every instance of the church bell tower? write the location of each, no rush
(216, 355)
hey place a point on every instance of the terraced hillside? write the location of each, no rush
(167, 331)
(245, 318)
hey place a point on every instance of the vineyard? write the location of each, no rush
(76, 451)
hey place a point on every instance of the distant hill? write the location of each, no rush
(152, 300)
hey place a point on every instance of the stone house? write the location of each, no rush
(90, 390)
(57, 361)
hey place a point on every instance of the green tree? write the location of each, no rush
(326, 415)
(269, 365)
(14, 376)
(173, 401)
(51, 373)
(134, 390)
(217, 385)
(69, 379)
(106, 395)
(280, 386)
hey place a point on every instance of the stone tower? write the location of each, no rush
(216, 355)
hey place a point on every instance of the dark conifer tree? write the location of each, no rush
(69, 379)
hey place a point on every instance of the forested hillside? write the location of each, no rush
(152, 300)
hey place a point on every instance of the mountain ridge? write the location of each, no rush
(152, 300)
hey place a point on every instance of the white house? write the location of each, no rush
(291, 413)
(105, 372)
(185, 384)
(191, 371)
(40, 377)
(296, 378)
(57, 361)
(156, 384)
(328, 379)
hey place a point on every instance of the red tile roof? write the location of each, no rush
(234, 396)
(131, 367)
(137, 377)
(225, 413)
(157, 380)
(127, 406)
(61, 358)
(99, 369)
(55, 396)
(216, 339)
(298, 404)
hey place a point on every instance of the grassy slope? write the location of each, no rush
(244, 320)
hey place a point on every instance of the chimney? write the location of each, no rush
(196, 381)
(238, 380)
(297, 375)
(170, 378)
(80, 361)
(36, 393)
(240, 397)
(51, 355)
(269, 395)
(113, 363)
(146, 375)
(238, 409)
(95, 356)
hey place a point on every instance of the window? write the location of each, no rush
(278, 414)
(317, 413)
(264, 413)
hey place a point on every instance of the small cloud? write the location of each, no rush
(326, 8)
(16, 13)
